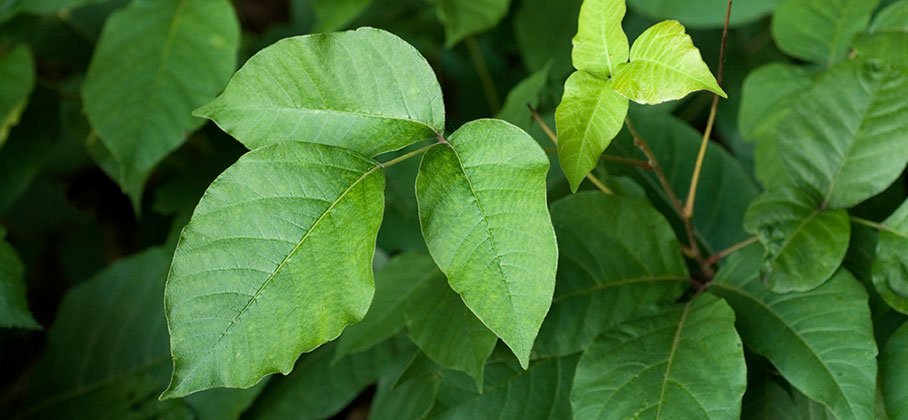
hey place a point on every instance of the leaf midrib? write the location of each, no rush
(671, 357)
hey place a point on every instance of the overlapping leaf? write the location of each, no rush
(365, 90)
(13, 306)
(683, 361)
(275, 261)
(482, 204)
(894, 374)
(17, 78)
(336, 14)
(462, 18)
(543, 30)
(890, 267)
(820, 30)
(821, 341)
(610, 269)
(155, 62)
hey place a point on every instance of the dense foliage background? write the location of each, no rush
(101, 166)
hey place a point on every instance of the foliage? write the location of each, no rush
(631, 233)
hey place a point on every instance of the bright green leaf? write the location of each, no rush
(893, 17)
(890, 267)
(821, 341)
(820, 30)
(803, 243)
(590, 115)
(894, 374)
(395, 284)
(608, 272)
(462, 18)
(846, 139)
(340, 89)
(684, 361)
(337, 14)
(664, 66)
(704, 14)
(17, 78)
(600, 45)
(482, 205)
(155, 62)
(275, 261)
(446, 331)
(13, 305)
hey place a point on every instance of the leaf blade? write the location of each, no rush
(600, 44)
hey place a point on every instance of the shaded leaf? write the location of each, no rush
(820, 30)
(600, 44)
(821, 341)
(408, 394)
(683, 361)
(890, 267)
(462, 18)
(894, 373)
(704, 14)
(337, 14)
(768, 397)
(525, 93)
(275, 261)
(543, 30)
(13, 305)
(768, 95)
(339, 89)
(664, 65)
(17, 78)
(482, 204)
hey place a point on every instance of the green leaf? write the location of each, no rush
(543, 30)
(821, 341)
(17, 78)
(845, 139)
(804, 244)
(13, 305)
(600, 45)
(820, 30)
(665, 65)
(887, 38)
(462, 18)
(55, 6)
(275, 261)
(768, 95)
(894, 374)
(608, 272)
(525, 93)
(408, 394)
(482, 205)
(768, 397)
(107, 351)
(339, 89)
(890, 267)
(704, 14)
(395, 284)
(684, 361)
(155, 62)
(337, 14)
(590, 115)
(446, 331)
(891, 18)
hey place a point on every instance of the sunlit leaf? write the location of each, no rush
(600, 44)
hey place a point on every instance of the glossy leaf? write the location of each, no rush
(145, 78)
(683, 361)
(820, 30)
(13, 305)
(803, 243)
(846, 139)
(704, 14)
(395, 284)
(821, 341)
(482, 205)
(17, 78)
(664, 65)
(894, 374)
(462, 18)
(890, 267)
(590, 115)
(600, 44)
(275, 261)
(768, 397)
(338, 89)
(608, 272)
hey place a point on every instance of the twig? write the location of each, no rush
(628, 161)
(488, 85)
(878, 226)
(713, 259)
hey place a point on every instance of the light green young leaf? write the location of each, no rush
(13, 305)
(890, 267)
(665, 65)
(894, 374)
(17, 78)
(107, 351)
(155, 62)
(821, 341)
(462, 18)
(803, 243)
(704, 14)
(446, 331)
(684, 361)
(339, 89)
(395, 284)
(337, 14)
(483, 212)
(820, 30)
(608, 272)
(846, 139)
(600, 44)
(590, 115)
(275, 261)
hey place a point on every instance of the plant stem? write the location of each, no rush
(701, 155)
(407, 155)
(551, 134)
(628, 161)
(878, 226)
(713, 259)
(482, 69)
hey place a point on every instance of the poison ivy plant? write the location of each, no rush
(13, 306)
(462, 18)
(17, 78)
(820, 31)
(890, 265)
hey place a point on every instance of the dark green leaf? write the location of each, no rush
(820, 30)
(462, 18)
(894, 374)
(890, 268)
(17, 78)
(13, 305)
(704, 13)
